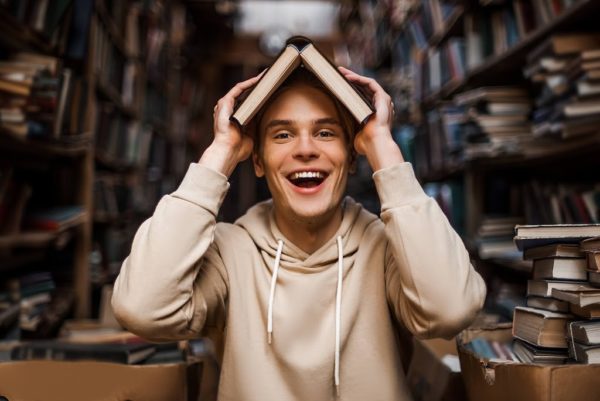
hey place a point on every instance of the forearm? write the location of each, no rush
(154, 291)
(431, 283)
(220, 157)
(383, 152)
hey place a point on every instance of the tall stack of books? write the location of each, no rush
(497, 120)
(540, 329)
(584, 335)
(566, 67)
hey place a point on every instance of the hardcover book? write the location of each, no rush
(300, 51)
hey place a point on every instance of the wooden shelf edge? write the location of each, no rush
(528, 41)
(9, 142)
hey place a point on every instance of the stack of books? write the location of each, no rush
(497, 120)
(566, 67)
(584, 336)
(559, 266)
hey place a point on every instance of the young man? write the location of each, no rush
(301, 293)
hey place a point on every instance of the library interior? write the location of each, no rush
(106, 105)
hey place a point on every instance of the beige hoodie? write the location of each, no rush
(189, 276)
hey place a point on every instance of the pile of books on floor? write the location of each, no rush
(559, 295)
(566, 67)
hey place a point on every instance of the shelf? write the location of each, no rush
(451, 25)
(44, 148)
(544, 153)
(513, 60)
(113, 95)
(18, 36)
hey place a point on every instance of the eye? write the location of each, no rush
(282, 136)
(327, 134)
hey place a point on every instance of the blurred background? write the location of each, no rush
(105, 103)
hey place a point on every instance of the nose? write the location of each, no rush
(306, 148)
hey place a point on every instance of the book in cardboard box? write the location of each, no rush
(505, 380)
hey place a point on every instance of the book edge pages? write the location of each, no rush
(343, 90)
(263, 90)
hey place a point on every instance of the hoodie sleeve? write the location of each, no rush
(173, 282)
(430, 282)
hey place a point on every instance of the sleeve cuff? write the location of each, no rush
(204, 187)
(397, 186)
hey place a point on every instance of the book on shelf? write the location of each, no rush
(587, 312)
(553, 251)
(564, 44)
(584, 341)
(59, 350)
(594, 277)
(56, 218)
(544, 288)
(591, 245)
(585, 353)
(301, 51)
(581, 298)
(540, 327)
(585, 332)
(529, 236)
(560, 269)
(528, 353)
(551, 304)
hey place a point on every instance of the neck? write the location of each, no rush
(309, 234)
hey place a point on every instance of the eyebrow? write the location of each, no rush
(275, 123)
(287, 123)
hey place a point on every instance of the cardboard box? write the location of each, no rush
(502, 381)
(434, 372)
(96, 381)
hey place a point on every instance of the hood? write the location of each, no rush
(260, 224)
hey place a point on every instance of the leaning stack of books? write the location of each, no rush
(584, 335)
(566, 67)
(559, 266)
(497, 120)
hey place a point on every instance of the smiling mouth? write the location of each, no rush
(307, 179)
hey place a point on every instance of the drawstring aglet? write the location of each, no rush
(269, 337)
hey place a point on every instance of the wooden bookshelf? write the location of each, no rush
(513, 60)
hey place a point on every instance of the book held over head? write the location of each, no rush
(301, 52)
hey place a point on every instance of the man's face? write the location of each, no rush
(303, 155)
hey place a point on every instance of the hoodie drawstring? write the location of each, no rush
(338, 316)
(272, 294)
(338, 307)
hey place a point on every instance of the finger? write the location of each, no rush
(242, 86)
(345, 70)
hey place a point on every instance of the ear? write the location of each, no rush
(259, 171)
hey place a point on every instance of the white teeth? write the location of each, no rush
(306, 174)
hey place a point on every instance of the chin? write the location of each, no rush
(314, 209)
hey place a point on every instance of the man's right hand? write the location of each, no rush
(230, 146)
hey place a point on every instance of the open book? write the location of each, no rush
(300, 51)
